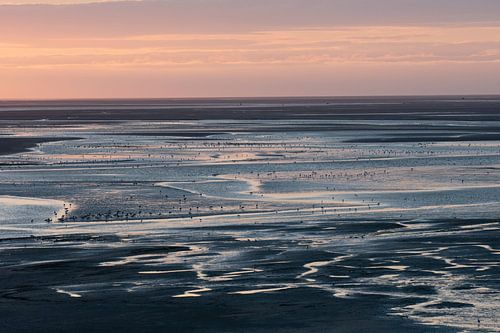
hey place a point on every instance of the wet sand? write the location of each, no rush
(288, 215)
(456, 137)
(78, 277)
(14, 145)
(467, 108)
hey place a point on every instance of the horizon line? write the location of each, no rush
(242, 97)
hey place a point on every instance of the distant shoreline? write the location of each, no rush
(461, 108)
(248, 98)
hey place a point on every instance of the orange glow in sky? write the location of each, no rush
(216, 48)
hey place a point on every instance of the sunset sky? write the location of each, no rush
(216, 48)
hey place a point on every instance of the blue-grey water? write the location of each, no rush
(385, 221)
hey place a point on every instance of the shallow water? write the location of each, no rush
(252, 211)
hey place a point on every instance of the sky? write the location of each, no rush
(56, 49)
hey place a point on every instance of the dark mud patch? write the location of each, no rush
(448, 305)
(170, 134)
(430, 138)
(14, 145)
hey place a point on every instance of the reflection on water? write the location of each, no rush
(193, 293)
(260, 291)
(248, 211)
(70, 294)
(166, 272)
(22, 210)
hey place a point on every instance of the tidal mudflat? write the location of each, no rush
(308, 215)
